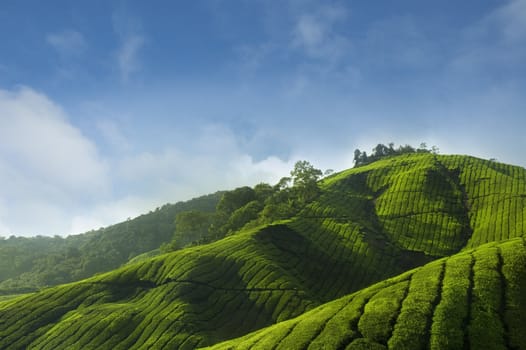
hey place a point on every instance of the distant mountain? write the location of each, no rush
(308, 281)
(30, 263)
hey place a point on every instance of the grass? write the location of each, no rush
(434, 299)
(322, 279)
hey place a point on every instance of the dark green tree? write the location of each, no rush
(263, 191)
(243, 216)
(305, 181)
(191, 226)
(360, 158)
(232, 200)
(229, 203)
(381, 151)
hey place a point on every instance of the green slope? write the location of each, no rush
(197, 296)
(368, 224)
(440, 204)
(475, 299)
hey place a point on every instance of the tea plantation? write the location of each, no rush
(450, 227)
(474, 299)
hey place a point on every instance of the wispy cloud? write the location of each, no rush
(131, 40)
(398, 41)
(511, 18)
(315, 33)
(67, 43)
(309, 34)
(253, 57)
(493, 44)
(127, 56)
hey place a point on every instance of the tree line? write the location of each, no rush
(382, 151)
(30, 263)
(246, 207)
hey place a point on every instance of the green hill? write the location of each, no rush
(30, 263)
(367, 224)
(475, 300)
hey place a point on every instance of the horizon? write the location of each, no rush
(111, 109)
(152, 209)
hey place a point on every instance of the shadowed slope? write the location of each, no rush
(473, 299)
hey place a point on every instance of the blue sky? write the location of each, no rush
(109, 109)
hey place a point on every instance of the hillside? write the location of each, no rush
(30, 263)
(475, 300)
(368, 224)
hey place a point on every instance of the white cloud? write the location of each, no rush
(37, 136)
(4, 212)
(5, 231)
(213, 160)
(57, 182)
(48, 167)
(67, 43)
(113, 135)
(146, 168)
(111, 212)
(154, 179)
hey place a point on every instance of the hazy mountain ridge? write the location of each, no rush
(368, 224)
(27, 264)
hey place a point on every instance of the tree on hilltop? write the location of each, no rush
(381, 151)
(305, 181)
(248, 207)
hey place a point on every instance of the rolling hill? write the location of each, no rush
(450, 227)
(474, 299)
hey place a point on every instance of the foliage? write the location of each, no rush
(27, 264)
(248, 207)
(381, 151)
(305, 181)
(232, 200)
(191, 226)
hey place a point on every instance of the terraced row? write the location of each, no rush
(438, 204)
(470, 300)
(184, 299)
(496, 198)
